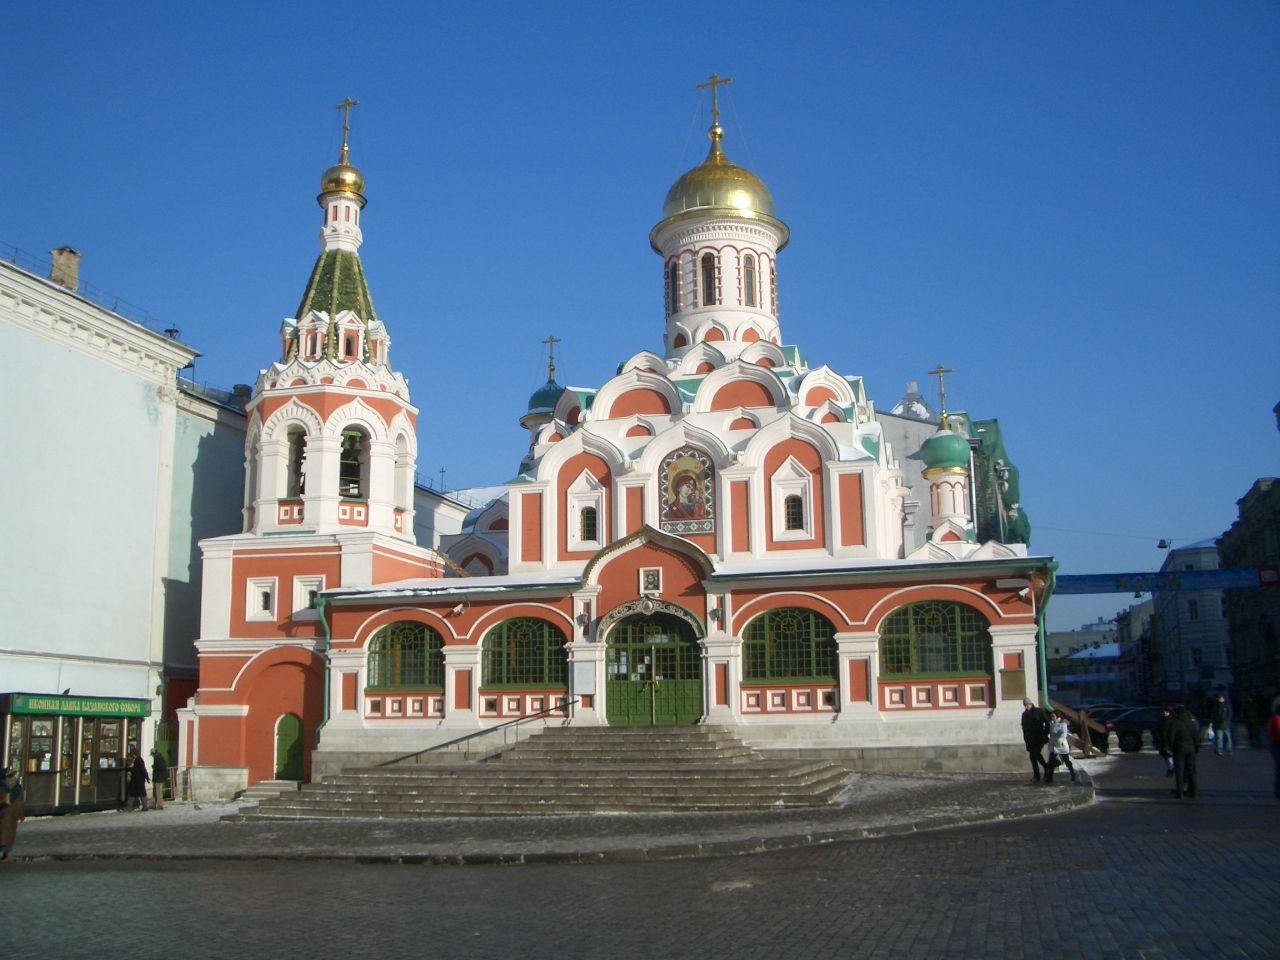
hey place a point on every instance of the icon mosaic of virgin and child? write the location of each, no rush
(687, 499)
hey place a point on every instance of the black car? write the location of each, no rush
(1130, 725)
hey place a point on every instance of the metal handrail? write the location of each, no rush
(1084, 722)
(562, 707)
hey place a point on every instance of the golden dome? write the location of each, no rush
(342, 178)
(720, 186)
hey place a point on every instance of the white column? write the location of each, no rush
(456, 658)
(1020, 639)
(861, 646)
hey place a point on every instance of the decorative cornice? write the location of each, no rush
(44, 309)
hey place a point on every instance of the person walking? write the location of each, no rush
(12, 812)
(1273, 738)
(1059, 746)
(1035, 734)
(1220, 717)
(1183, 744)
(137, 782)
(159, 776)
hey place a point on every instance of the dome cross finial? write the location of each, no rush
(940, 372)
(345, 106)
(715, 81)
(551, 342)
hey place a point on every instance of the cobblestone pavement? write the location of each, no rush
(1136, 874)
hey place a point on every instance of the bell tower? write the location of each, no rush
(332, 443)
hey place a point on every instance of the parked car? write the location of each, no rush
(1130, 725)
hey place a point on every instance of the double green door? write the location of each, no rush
(653, 673)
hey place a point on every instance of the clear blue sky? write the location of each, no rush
(1075, 206)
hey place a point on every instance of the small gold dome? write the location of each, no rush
(720, 186)
(342, 178)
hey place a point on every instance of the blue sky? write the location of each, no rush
(1074, 206)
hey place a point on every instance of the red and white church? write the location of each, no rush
(718, 535)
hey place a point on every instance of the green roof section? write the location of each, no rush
(338, 283)
(997, 488)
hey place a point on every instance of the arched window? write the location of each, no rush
(406, 654)
(295, 474)
(789, 644)
(350, 347)
(708, 279)
(935, 638)
(353, 465)
(793, 507)
(525, 652)
(587, 524)
(749, 280)
(673, 287)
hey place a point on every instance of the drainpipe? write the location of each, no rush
(1040, 635)
(321, 603)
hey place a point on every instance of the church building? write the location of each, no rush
(723, 533)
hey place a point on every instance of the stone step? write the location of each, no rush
(575, 771)
(513, 772)
(563, 789)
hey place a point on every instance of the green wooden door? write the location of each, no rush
(654, 673)
(289, 747)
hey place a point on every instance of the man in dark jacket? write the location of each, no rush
(1220, 717)
(1184, 741)
(1035, 734)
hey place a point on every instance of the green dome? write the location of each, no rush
(945, 450)
(544, 399)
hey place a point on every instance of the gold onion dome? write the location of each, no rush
(342, 177)
(721, 187)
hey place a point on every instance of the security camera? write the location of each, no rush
(457, 610)
(1024, 592)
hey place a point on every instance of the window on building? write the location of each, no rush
(749, 280)
(295, 474)
(306, 596)
(260, 599)
(793, 507)
(349, 347)
(406, 654)
(1197, 656)
(935, 638)
(353, 465)
(1193, 609)
(525, 652)
(789, 644)
(587, 524)
(673, 287)
(708, 279)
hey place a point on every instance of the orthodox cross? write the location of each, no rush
(715, 81)
(551, 357)
(442, 479)
(940, 372)
(345, 106)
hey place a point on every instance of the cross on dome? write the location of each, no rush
(715, 81)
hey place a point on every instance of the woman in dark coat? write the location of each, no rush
(137, 783)
(1184, 741)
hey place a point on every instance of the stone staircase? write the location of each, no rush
(578, 770)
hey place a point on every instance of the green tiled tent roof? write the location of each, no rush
(337, 283)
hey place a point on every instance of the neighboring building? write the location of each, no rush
(719, 534)
(1063, 643)
(123, 468)
(1254, 615)
(1190, 648)
(1133, 633)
